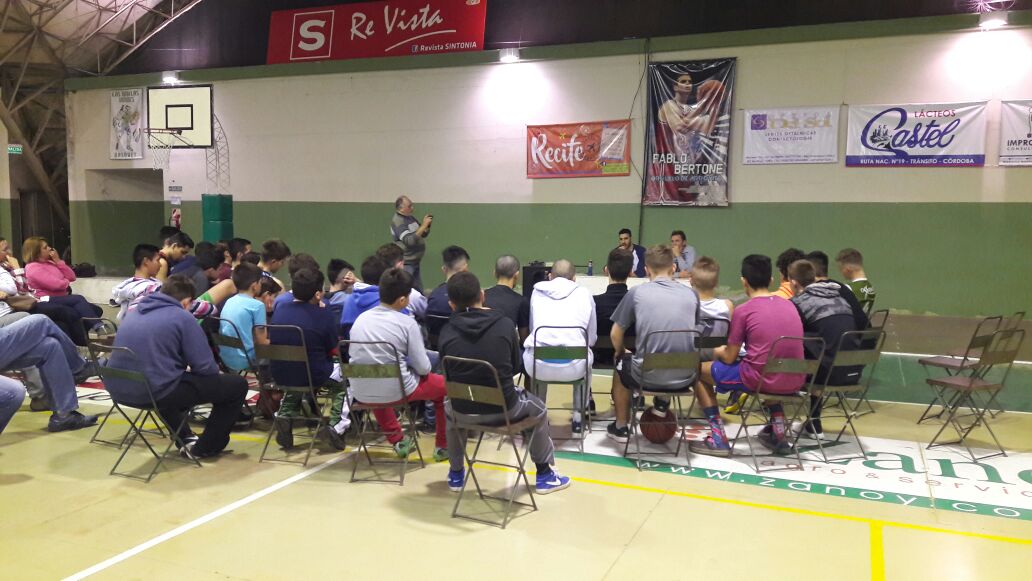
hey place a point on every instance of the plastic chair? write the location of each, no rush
(401, 405)
(800, 399)
(687, 362)
(867, 351)
(958, 391)
(148, 412)
(571, 354)
(489, 395)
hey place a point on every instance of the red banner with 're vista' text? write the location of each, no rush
(579, 150)
(375, 29)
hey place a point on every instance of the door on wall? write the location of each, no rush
(38, 219)
(123, 208)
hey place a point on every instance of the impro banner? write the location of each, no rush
(931, 135)
(375, 29)
(126, 141)
(794, 135)
(688, 125)
(1016, 133)
(579, 150)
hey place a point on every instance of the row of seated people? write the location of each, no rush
(389, 321)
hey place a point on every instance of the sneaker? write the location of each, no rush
(334, 438)
(428, 429)
(660, 405)
(709, 447)
(440, 454)
(779, 447)
(72, 421)
(619, 434)
(189, 440)
(456, 478)
(284, 432)
(591, 407)
(88, 370)
(187, 450)
(40, 404)
(404, 447)
(736, 404)
(576, 428)
(551, 482)
(806, 431)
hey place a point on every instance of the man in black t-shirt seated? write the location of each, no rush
(618, 268)
(502, 297)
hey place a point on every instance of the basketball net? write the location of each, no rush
(161, 142)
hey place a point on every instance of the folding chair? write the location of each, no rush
(958, 391)
(220, 340)
(571, 354)
(105, 335)
(148, 412)
(605, 342)
(297, 354)
(388, 371)
(799, 399)
(686, 362)
(878, 319)
(855, 348)
(958, 364)
(434, 325)
(489, 395)
(714, 334)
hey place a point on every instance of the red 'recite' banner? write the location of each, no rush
(579, 150)
(375, 29)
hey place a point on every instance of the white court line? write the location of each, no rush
(202, 520)
(1016, 362)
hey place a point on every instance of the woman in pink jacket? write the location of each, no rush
(49, 276)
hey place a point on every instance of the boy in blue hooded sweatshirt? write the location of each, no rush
(167, 340)
(364, 296)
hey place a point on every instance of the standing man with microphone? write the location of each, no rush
(409, 234)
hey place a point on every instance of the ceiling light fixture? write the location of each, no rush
(170, 77)
(992, 20)
(509, 55)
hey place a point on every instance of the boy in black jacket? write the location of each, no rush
(478, 333)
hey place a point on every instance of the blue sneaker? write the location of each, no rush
(455, 480)
(551, 482)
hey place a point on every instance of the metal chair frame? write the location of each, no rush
(288, 354)
(800, 398)
(432, 338)
(354, 371)
(490, 395)
(1001, 350)
(848, 358)
(968, 364)
(235, 342)
(148, 413)
(664, 362)
(575, 354)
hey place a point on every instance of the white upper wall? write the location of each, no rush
(458, 134)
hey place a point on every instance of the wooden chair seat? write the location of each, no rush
(952, 363)
(962, 383)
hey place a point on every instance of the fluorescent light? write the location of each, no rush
(992, 20)
(509, 55)
(170, 77)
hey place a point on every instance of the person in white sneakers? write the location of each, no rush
(561, 302)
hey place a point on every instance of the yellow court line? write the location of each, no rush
(789, 509)
(877, 552)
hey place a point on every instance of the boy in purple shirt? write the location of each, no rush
(757, 323)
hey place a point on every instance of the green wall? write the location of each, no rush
(949, 259)
(10, 228)
(104, 233)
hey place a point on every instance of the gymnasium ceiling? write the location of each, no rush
(42, 42)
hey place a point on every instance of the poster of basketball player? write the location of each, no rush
(687, 130)
(127, 124)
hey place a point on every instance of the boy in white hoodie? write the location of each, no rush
(561, 302)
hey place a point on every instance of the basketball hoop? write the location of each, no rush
(161, 142)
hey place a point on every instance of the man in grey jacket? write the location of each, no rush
(409, 234)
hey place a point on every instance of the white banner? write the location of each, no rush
(794, 135)
(931, 135)
(127, 124)
(1016, 132)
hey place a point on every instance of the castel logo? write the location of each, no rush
(889, 131)
(312, 36)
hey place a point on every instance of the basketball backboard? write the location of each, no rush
(186, 109)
